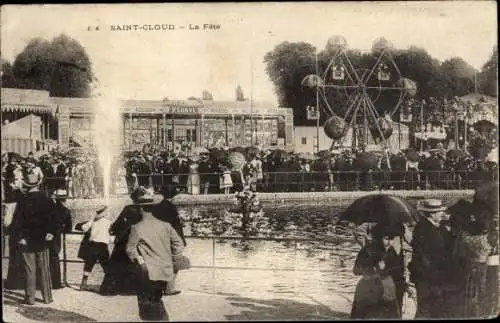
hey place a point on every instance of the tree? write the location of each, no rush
(488, 77)
(416, 64)
(239, 94)
(206, 95)
(60, 66)
(287, 65)
(8, 79)
(33, 67)
(458, 77)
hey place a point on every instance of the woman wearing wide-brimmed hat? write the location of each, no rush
(432, 268)
(151, 246)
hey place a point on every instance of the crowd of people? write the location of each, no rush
(453, 267)
(450, 253)
(147, 254)
(229, 170)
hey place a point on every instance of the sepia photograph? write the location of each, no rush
(249, 161)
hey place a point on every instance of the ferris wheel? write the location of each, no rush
(360, 87)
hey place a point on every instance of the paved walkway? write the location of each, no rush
(71, 305)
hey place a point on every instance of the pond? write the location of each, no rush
(272, 260)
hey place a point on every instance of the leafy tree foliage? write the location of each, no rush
(60, 66)
(206, 95)
(289, 63)
(8, 79)
(488, 77)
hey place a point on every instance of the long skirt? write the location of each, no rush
(475, 291)
(121, 276)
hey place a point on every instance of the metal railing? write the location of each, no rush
(209, 183)
(335, 251)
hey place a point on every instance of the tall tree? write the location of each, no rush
(60, 66)
(33, 67)
(287, 65)
(239, 94)
(206, 95)
(488, 77)
(458, 77)
(8, 79)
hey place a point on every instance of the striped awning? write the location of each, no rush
(28, 108)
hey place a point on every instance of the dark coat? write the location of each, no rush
(121, 275)
(373, 306)
(167, 212)
(63, 223)
(33, 219)
(84, 251)
(432, 260)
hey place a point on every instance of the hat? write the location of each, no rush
(30, 182)
(432, 206)
(60, 194)
(141, 195)
(101, 209)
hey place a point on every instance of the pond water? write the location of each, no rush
(320, 265)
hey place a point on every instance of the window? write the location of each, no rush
(180, 135)
(169, 134)
(190, 135)
(304, 140)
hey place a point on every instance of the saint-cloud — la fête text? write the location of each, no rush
(158, 27)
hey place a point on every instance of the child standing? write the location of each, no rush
(94, 246)
(226, 182)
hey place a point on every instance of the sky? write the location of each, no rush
(151, 65)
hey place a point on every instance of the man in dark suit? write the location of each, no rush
(152, 244)
(432, 266)
(35, 230)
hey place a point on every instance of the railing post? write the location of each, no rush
(65, 263)
(213, 265)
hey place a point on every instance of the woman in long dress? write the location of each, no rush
(120, 278)
(193, 181)
(379, 292)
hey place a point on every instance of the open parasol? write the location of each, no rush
(252, 151)
(386, 209)
(11, 154)
(365, 161)
(412, 155)
(306, 156)
(238, 149)
(237, 160)
(455, 153)
(199, 150)
(484, 126)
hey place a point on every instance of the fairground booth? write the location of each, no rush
(34, 121)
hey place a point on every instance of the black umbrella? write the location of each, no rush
(486, 197)
(412, 155)
(484, 126)
(385, 209)
(238, 149)
(460, 212)
(365, 161)
(11, 154)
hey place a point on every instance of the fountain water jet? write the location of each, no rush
(107, 134)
